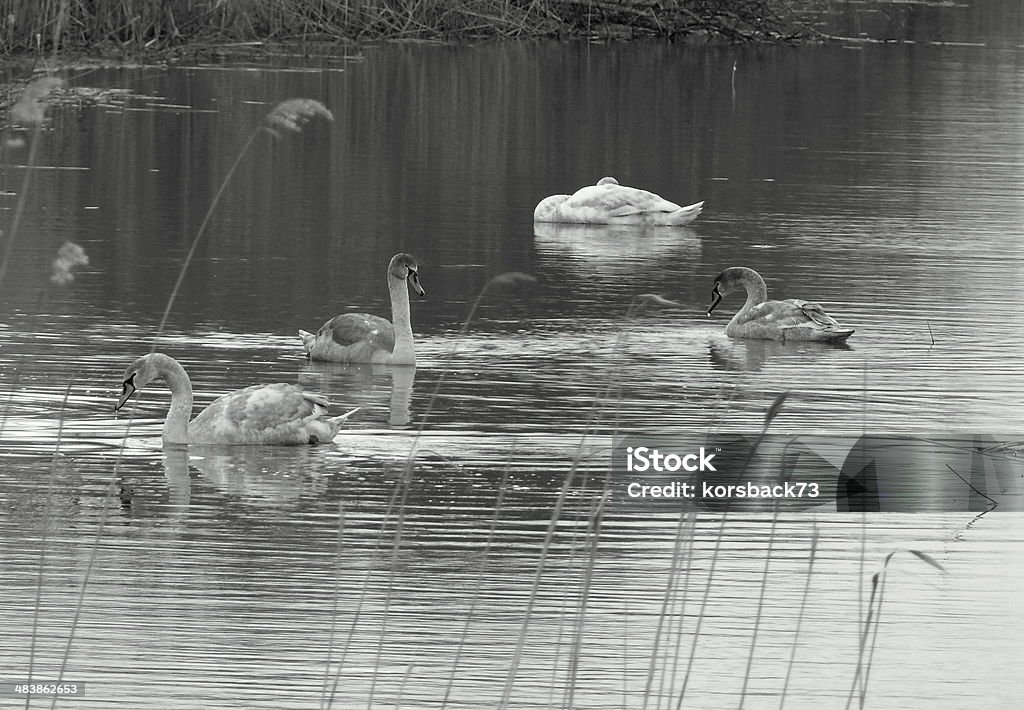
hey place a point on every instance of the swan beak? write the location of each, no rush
(127, 390)
(716, 296)
(414, 279)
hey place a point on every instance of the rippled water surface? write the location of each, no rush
(416, 553)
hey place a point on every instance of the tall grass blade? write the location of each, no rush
(364, 588)
(37, 607)
(866, 651)
(479, 585)
(666, 600)
(517, 654)
(594, 537)
(334, 605)
(800, 617)
(924, 556)
(775, 408)
(687, 554)
(761, 595)
(290, 115)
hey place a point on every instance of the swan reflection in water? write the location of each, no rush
(617, 248)
(361, 385)
(260, 475)
(752, 355)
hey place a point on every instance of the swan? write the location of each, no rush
(791, 319)
(608, 202)
(361, 337)
(262, 414)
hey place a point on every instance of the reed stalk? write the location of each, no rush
(549, 534)
(800, 617)
(596, 518)
(666, 602)
(364, 588)
(478, 586)
(334, 604)
(686, 552)
(403, 485)
(37, 607)
(30, 110)
(771, 413)
(290, 115)
(865, 652)
(760, 603)
(597, 408)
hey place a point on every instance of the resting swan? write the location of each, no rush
(791, 319)
(262, 414)
(608, 202)
(361, 337)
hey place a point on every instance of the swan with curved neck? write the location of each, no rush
(361, 337)
(608, 202)
(279, 414)
(791, 319)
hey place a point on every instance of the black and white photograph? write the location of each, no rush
(512, 354)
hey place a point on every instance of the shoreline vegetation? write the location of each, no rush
(168, 29)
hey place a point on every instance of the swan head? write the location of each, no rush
(732, 279)
(137, 375)
(608, 181)
(403, 267)
(548, 207)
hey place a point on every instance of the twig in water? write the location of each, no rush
(995, 503)
(734, 82)
(930, 333)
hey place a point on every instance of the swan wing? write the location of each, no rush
(351, 328)
(814, 313)
(788, 314)
(261, 414)
(619, 200)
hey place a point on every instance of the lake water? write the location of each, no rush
(417, 552)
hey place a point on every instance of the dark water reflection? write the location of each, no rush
(883, 181)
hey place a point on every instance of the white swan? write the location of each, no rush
(262, 414)
(791, 319)
(608, 202)
(361, 337)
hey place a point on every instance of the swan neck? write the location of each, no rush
(757, 293)
(404, 351)
(176, 424)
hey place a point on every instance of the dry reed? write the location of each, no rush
(32, 26)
